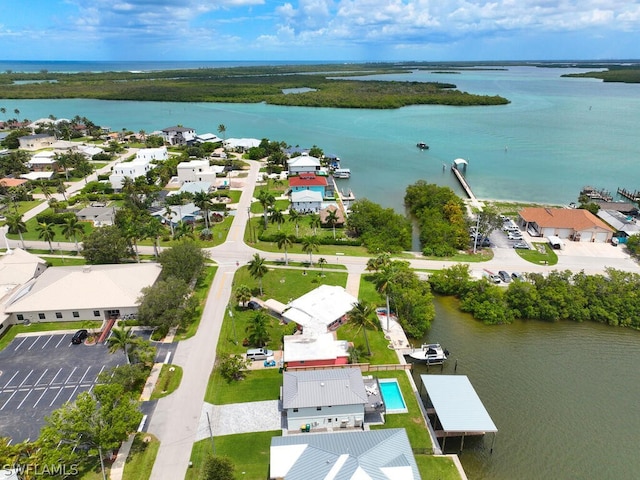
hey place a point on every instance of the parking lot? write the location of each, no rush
(40, 373)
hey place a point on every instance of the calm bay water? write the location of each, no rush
(563, 396)
(556, 136)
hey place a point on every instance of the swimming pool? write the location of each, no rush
(392, 396)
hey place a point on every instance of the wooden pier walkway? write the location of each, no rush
(633, 196)
(466, 187)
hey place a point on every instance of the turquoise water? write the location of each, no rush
(555, 136)
(392, 396)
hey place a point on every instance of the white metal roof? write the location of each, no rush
(457, 404)
(299, 348)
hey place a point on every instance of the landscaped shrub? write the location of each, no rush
(54, 218)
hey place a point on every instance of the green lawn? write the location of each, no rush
(141, 457)
(536, 256)
(249, 452)
(61, 261)
(168, 381)
(32, 232)
(436, 468)
(200, 292)
(257, 386)
(11, 332)
(380, 354)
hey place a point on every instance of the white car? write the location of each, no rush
(514, 236)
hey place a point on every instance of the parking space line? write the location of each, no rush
(34, 342)
(48, 340)
(9, 399)
(43, 374)
(38, 401)
(23, 400)
(72, 372)
(56, 397)
(14, 376)
(25, 378)
(60, 341)
(54, 378)
(20, 344)
(85, 374)
(73, 393)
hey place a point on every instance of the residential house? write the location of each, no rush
(36, 141)
(90, 150)
(81, 293)
(241, 145)
(134, 169)
(303, 164)
(188, 213)
(315, 350)
(321, 310)
(309, 181)
(566, 223)
(384, 454)
(324, 398)
(306, 201)
(198, 171)
(207, 138)
(178, 135)
(12, 182)
(159, 154)
(99, 215)
(195, 187)
(43, 162)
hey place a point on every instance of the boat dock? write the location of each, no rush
(455, 168)
(633, 196)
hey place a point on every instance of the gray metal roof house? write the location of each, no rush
(332, 398)
(374, 454)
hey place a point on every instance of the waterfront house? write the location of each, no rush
(315, 350)
(305, 201)
(567, 223)
(178, 135)
(624, 225)
(134, 169)
(324, 213)
(384, 454)
(324, 398)
(303, 164)
(321, 310)
(36, 141)
(159, 154)
(308, 181)
(241, 145)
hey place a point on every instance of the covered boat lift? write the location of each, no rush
(455, 407)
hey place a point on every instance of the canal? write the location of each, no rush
(564, 396)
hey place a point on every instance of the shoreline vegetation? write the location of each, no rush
(617, 74)
(328, 86)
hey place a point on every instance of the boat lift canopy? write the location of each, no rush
(460, 161)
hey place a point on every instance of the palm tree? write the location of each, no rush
(46, 233)
(120, 339)
(46, 189)
(184, 229)
(258, 269)
(294, 216)
(222, 130)
(71, 228)
(258, 329)
(168, 214)
(152, 229)
(285, 240)
(277, 217)
(383, 279)
(243, 294)
(331, 219)
(309, 244)
(61, 188)
(322, 262)
(362, 315)
(266, 199)
(202, 200)
(17, 225)
(314, 222)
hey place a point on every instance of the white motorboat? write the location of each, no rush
(431, 353)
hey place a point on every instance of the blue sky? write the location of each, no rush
(349, 30)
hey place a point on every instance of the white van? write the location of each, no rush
(259, 354)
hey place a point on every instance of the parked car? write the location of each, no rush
(516, 275)
(514, 236)
(79, 337)
(259, 354)
(504, 276)
(495, 278)
(253, 305)
(521, 245)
